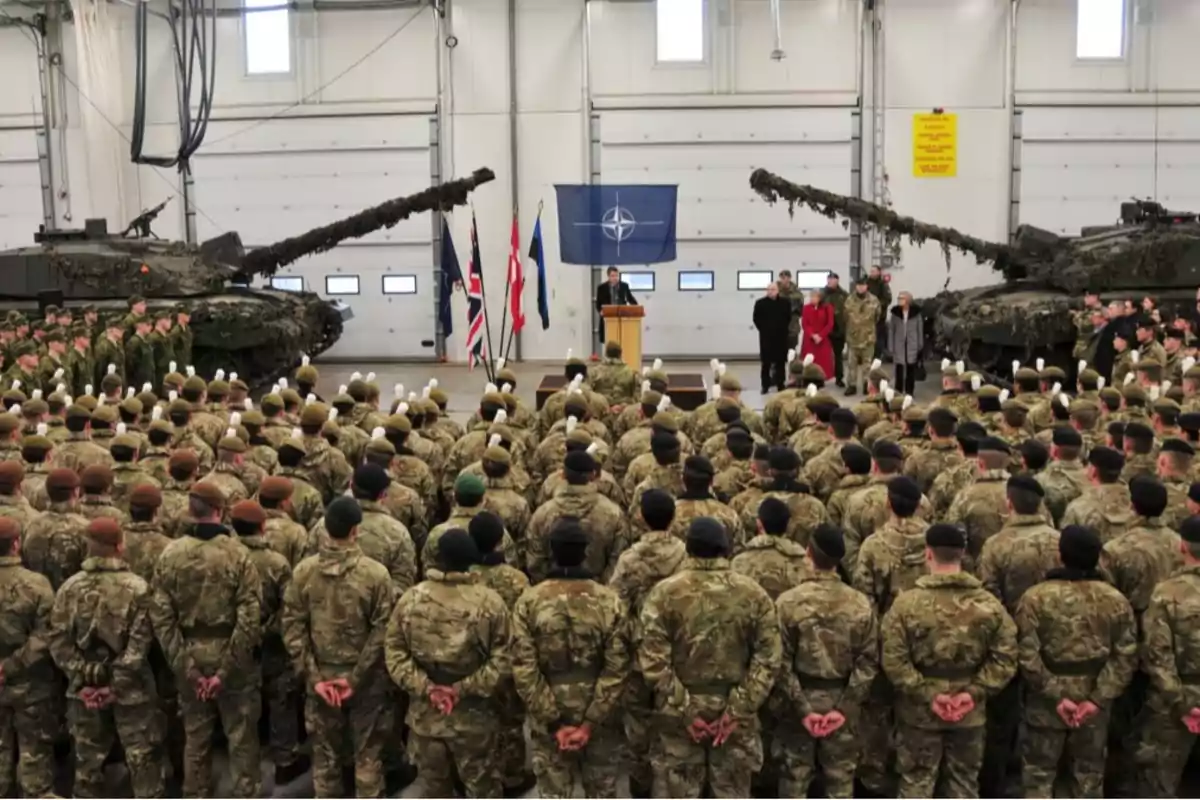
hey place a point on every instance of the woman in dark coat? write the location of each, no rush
(772, 314)
(906, 341)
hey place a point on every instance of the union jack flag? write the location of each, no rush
(476, 313)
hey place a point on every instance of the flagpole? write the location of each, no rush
(507, 288)
(487, 323)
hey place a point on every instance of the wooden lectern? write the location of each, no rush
(623, 324)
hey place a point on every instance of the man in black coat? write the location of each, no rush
(771, 316)
(613, 292)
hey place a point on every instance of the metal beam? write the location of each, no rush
(513, 156)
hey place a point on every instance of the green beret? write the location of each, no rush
(314, 414)
(469, 485)
(78, 411)
(307, 374)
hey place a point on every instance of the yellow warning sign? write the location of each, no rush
(935, 145)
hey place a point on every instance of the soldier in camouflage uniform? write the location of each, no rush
(226, 474)
(81, 366)
(867, 511)
(1175, 461)
(814, 435)
(613, 378)
(207, 617)
(1140, 455)
(139, 357)
(53, 543)
(101, 638)
(502, 497)
(335, 616)
(805, 511)
(697, 500)
(604, 521)
(1146, 552)
(282, 533)
(1169, 657)
(126, 471)
(654, 556)
(861, 311)
(737, 474)
(940, 455)
(352, 439)
(710, 652)
(830, 645)
(79, 451)
(305, 505)
(981, 507)
(10, 434)
(636, 442)
(162, 346)
(28, 721)
(1065, 478)
(1105, 506)
(772, 560)
(451, 681)
(944, 676)
(1078, 649)
(12, 503)
(857, 462)
(325, 467)
(145, 539)
(52, 369)
(469, 493)
(35, 450)
(795, 298)
(182, 336)
(824, 470)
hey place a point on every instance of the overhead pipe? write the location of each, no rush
(777, 21)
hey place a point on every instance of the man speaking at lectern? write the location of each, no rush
(613, 292)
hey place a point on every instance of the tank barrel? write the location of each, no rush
(266, 260)
(891, 225)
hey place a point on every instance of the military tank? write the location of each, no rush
(258, 333)
(1149, 252)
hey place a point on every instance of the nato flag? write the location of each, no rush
(604, 225)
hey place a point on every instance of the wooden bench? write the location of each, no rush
(686, 390)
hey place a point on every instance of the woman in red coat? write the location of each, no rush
(816, 322)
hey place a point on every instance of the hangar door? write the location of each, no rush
(731, 244)
(1079, 164)
(282, 177)
(20, 187)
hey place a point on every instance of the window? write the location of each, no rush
(810, 280)
(287, 283)
(1100, 29)
(268, 37)
(695, 281)
(639, 281)
(749, 280)
(341, 284)
(399, 284)
(680, 28)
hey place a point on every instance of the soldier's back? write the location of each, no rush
(1018, 558)
(891, 562)
(78, 454)
(28, 597)
(1140, 558)
(506, 581)
(53, 544)
(1107, 508)
(775, 563)
(1063, 481)
(227, 481)
(688, 509)
(285, 536)
(144, 545)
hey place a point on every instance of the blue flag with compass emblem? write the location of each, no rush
(610, 224)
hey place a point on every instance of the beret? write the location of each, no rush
(843, 415)
(942, 415)
(497, 455)
(195, 385)
(993, 444)
(36, 444)
(271, 400)
(709, 531)
(1106, 458)
(856, 458)
(664, 421)
(914, 413)
(988, 390)
(105, 414)
(487, 529)
(145, 495)
(783, 459)
(457, 550)
(1178, 446)
(357, 390)
(1149, 493)
(343, 401)
(469, 485)
(1026, 374)
(576, 405)
(275, 487)
(1136, 430)
(1079, 546)
(1015, 407)
(1146, 321)
(944, 534)
(886, 449)
(314, 414)
(1189, 531)
(11, 474)
(1194, 492)
(1133, 393)
(1052, 373)
(248, 511)
(253, 418)
(179, 406)
(730, 383)
(381, 446)
(651, 398)
(1066, 436)
(822, 399)
(104, 530)
(9, 422)
(131, 405)
(184, 458)
(398, 422)
(239, 385)
(307, 374)
(9, 529)
(290, 397)
(568, 530)
(506, 375)
(1026, 483)
(343, 514)
(828, 539)
(905, 488)
(208, 493)
(96, 479)
(372, 478)
(293, 444)
(34, 408)
(439, 396)
(492, 399)
(698, 465)
(579, 461)
(126, 440)
(231, 444)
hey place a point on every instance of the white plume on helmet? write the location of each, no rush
(945, 364)
(1134, 355)
(791, 354)
(1100, 382)
(58, 373)
(235, 419)
(356, 376)
(1128, 378)
(305, 361)
(377, 432)
(1004, 394)
(87, 389)
(592, 448)
(876, 364)
(42, 429)
(658, 362)
(60, 388)
(889, 394)
(908, 401)
(146, 387)
(1056, 388)
(311, 398)
(976, 382)
(111, 369)
(645, 371)
(1064, 401)
(412, 397)
(722, 369)
(121, 428)
(191, 373)
(248, 404)
(129, 392)
(156, 413)
(571, 423)
(100, 400)
(172, 396)
(333, 413)
(402, 408)
(1082, 364)
(665, 403)
(811, 391)
(494, 440)
(501, 417)
(428, 390)
(220, 376)
(1016, 365)
(398, 390)
(1040, 364)
(37, 394)
(808, 359)
(171, 367)
(507, 388)
(342, 388)
(500, 362)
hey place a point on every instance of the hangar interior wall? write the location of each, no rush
(349, 125)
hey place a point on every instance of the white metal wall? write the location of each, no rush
(282, 177)
(20, 187)
(723, 227)
(1079, 164)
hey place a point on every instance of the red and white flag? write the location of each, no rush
(516, 280)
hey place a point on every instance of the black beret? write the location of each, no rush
(762, 452)
(706, 538)
(699, 465)
(1116, 428)
(944, 534)
(663, 440)
(1033, 449)
(1079, 547)
(885, 449)
(828, 539)
(971, 428)
(1194, 492)
(568, 530)
(457, 551)
(1174, 333)
(342, 515)
(1189, 531)
(1149, 495)
(580, 461)
(487, 530)
(1146, 321)
(657, 503)
(993, 444)
(905, 488)
(1106, 458)
(784, 459)
(1136, 430)
(939, 416)
(1190, 421)
(737, 428)
(843, 415)
(1066, 436)
(372, 478)
(1178, 446)
(774, 515)
(856, 458)
(1026, 483)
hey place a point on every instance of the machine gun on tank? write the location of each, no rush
(142, 222)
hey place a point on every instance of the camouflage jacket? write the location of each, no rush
(502, 499)
(351, 440)
(1077, 639)
(924, 466)
(144, 544)
(33, 488)
(773, 414)
(547, 458)
(944, 636)
(206, 426)
(125, 477)
(824, 471)
(274, 573)
(1140, 464)
(604, 521)
(403, 503)
(656, 555)
(325, 468)
(187, 438)
(631, 417)
(79, 452)
(668, 477)
(775, 563)
(1063, 481)
(54, 543)
(262, 455)
(225, 477)
(1017, 558)
(207, 608)
(1170, 653)
(552, 410)
(830, 637)
(981, 509)
(1177, 502)
(517, 479)
(641, 468)
(451, 428)
(1106, 507)
(101, 632)
(839, 501)
(307, 505)
(285, 536)
(861, 312)
(710, 644)
(689, 507)
(506, 581)
(637, 442)
(570, 652)
(460, 517)
(606, 484)
(868, 412)
(1139, 558)
(25, 635)
(94, 506)
(18, 508)
(613, 378)
(381, 537)
(733, 480)
(886, 430)
(806, 512)
(335, 616)
(449, 630)
(867, 511)
(810, 440)
(891, 561)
